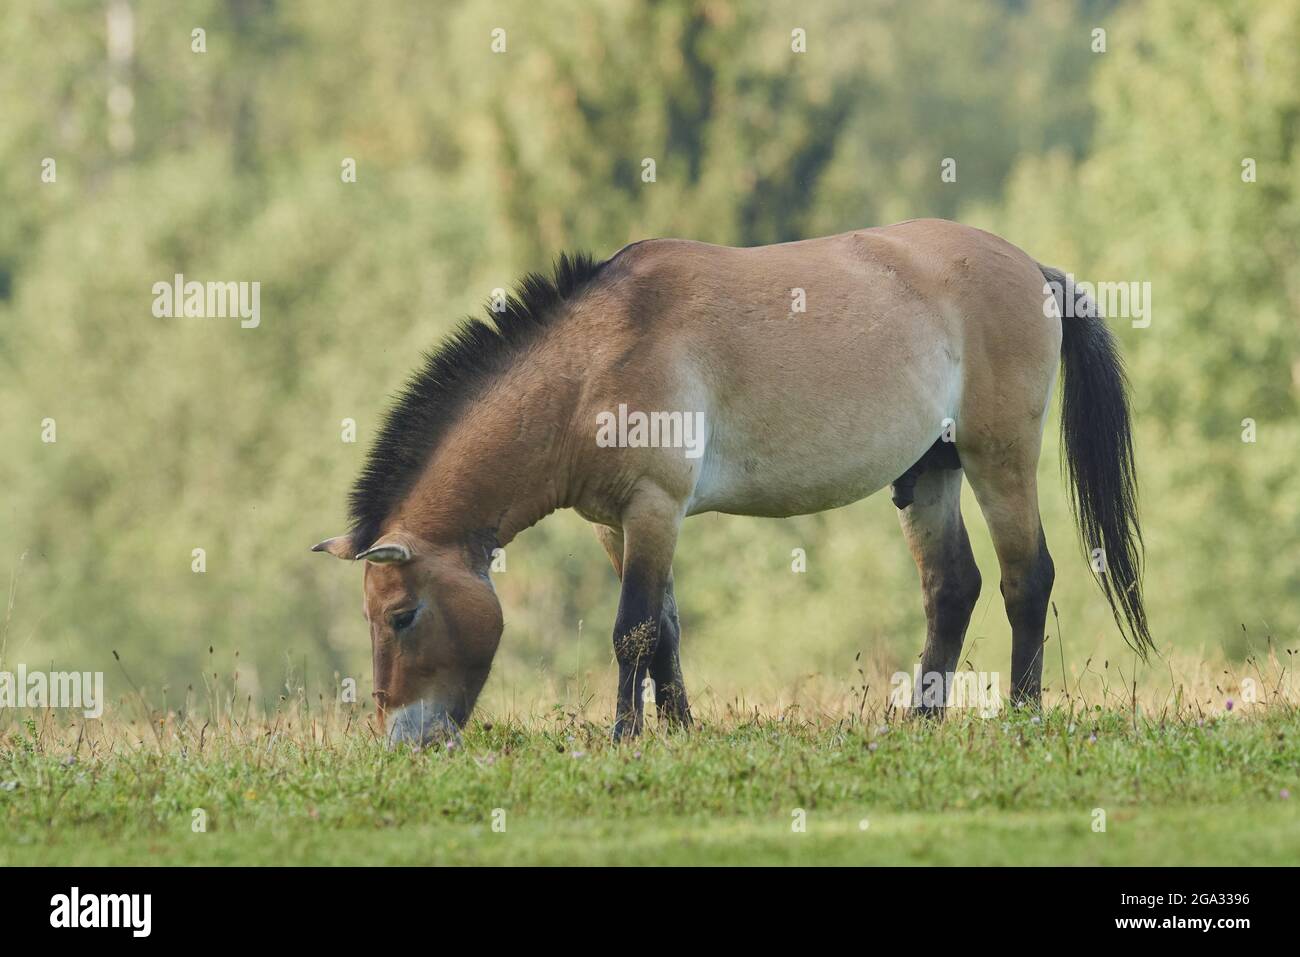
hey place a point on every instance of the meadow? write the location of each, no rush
(378, 175)
(1109, 773)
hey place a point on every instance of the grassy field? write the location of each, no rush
(1178, 785)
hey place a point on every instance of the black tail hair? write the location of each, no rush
(1097, 445)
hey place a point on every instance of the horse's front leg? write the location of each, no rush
(666, 668)
(650, 526)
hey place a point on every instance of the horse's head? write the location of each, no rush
(435, 623)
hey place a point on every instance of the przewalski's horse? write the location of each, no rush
(677, 378)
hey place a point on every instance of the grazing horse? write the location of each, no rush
(679, 377)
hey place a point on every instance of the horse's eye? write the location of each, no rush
(402, 620)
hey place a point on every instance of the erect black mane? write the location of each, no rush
(436, 395)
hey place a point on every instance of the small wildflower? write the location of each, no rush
(1092, 739)
(579, 754)
(1229, 704)
(872, 746)
(1285, 794)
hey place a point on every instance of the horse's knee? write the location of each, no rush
(636, 646)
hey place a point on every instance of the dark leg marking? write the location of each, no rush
(1027, 595)
(636, 644)
(950, 582)
(666, 669)
(951, 590)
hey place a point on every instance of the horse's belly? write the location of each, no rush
(789, 453)
(775, 492)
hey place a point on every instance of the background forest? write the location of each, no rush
(1163, 150)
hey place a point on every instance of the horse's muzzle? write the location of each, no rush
(421, 724)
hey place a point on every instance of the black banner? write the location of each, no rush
(338, 906)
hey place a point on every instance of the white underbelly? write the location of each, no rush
(794, 457)
(805, 480)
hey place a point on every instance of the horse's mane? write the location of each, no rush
(437, 394)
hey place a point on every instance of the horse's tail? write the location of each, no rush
(1097, 444)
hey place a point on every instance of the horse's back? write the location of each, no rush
(826, 367)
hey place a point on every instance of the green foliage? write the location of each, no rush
(1187, 93)
(472, 166)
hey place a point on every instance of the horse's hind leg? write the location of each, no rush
(665, 667)
(1005, 486)
(950, 580)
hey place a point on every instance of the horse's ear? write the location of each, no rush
(386, 553)
(340, 547)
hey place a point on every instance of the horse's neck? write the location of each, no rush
(501, 470)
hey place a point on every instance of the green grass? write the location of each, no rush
(1006, 790)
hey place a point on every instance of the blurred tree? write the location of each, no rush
(474, 165)
(1193, 186)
